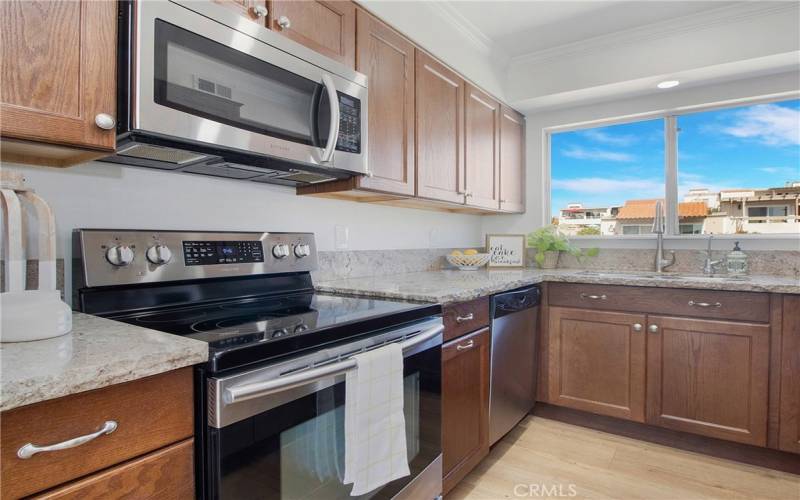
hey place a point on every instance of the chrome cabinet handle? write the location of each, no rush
(468, 317)
(594, 297)
(30, 449)
(105, 121)
(284, 22)
(704, 304)
(333, 133)
(260, 11)
(652, 328)
(466, 346)
(637, 327)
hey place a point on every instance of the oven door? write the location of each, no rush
(279, 435)
(203, 74)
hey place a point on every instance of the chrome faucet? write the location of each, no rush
(658, 229)
(710, 266)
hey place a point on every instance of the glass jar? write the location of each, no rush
(736, 262)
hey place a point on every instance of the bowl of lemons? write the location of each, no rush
(468, 260)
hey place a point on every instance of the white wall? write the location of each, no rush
(537, 179)
(105, 195)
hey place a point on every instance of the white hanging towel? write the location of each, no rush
(375, 429)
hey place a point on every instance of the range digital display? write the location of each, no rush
(204, 253)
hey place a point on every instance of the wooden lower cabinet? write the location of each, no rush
(465, 404)
(789, 409)
(166, 474)
(596, 361)
(708, 377)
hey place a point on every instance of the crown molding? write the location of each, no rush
(659, 30)
(472, 33)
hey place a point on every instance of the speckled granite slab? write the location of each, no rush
(453, 286)
(97, 353)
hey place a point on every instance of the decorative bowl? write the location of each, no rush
(469, 262)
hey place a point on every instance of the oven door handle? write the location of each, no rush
(333, 130)
(254, 390)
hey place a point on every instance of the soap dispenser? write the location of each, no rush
(736, 262)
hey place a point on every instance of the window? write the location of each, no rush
(731, 171)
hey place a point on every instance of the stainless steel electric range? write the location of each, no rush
(270, 399)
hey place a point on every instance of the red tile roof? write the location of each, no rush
(646, 209)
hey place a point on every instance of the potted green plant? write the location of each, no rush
(549, 243)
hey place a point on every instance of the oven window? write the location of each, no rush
(296, 451)
(211, 80)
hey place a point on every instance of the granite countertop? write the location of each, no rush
(97, 352)
(453, 286)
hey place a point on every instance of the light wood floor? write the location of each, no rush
(543, 455)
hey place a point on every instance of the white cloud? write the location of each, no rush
(610, 139)
(596, 154)
(769, 124)
(781, 170)
(628, 188)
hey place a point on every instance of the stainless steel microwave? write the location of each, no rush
(204, 90)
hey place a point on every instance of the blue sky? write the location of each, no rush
(747, 147)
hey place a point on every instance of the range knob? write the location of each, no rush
(159, 254)
(280, 251)
(119, 255)
(302, 250)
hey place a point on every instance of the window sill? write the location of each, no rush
(782, 242)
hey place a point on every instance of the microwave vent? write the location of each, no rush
(305, 177)
(169, 155)
(221, 170)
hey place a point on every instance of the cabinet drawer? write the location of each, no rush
(150, 413)
(166, 474)
(744, 306)
(465, 317)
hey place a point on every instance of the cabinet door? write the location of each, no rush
(58, 71)
(512, 160)
(708, 377)
(481, 149)
(597, 362)
(328, 27)
(255, 10)
(465, 404)
(440, 131)
(789, 430)
(388, 61)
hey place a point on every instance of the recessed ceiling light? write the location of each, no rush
(668, 84)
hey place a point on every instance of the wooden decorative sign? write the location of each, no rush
(506, 250)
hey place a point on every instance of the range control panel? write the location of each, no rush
(123, 257)
(204, 253)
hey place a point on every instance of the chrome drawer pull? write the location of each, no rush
(468, 317)
(594, 297)
(30, 449)
(466, 346)
(704, 304)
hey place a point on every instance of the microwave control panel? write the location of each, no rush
(349, 124)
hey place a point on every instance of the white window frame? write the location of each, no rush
(670, 118)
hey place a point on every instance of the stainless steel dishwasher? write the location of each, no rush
(512, 392)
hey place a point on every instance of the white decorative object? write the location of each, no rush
(550, 259)
(469, 262)
(29, 314)
(506, 250)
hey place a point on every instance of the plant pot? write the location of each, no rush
(550, 260)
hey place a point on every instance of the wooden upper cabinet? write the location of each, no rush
(440, 131)
(328, 27)
(255, 10)
(596, 361)
(512, 160)
(481, 148)
(58, 72)
(708, 377)
(789, 427)
(465, 404)
(388, 61)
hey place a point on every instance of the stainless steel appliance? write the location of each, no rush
(270, 400)
(512, 391)
(203, 90)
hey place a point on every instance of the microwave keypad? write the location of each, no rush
(349, 124)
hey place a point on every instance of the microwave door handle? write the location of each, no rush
(254, 390)
(333, 131)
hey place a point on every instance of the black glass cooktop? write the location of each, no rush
(241, 332)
